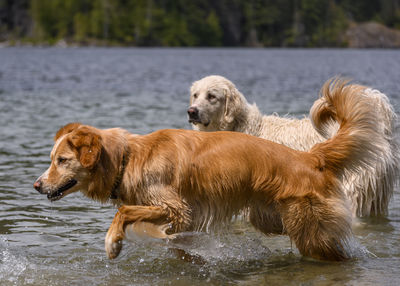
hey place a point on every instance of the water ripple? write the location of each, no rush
(142, 90)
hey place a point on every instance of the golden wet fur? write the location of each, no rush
(171, 181)
(217, 105)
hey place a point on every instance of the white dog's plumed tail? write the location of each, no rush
(374, 200)
(373, 169)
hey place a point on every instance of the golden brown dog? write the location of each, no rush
(189, 180)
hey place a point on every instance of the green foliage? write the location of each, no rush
(324, 22)
(192, 23)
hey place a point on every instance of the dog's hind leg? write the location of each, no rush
(320, 226)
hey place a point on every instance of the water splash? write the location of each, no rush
(12, 266)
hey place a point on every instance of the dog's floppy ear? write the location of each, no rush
(233, 103)
(87, 143)
(66, 129)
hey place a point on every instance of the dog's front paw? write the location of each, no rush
(113, 244)
(115, 235)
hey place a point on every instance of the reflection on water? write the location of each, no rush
(43, 243)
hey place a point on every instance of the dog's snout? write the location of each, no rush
(38, 185)
(193, 112)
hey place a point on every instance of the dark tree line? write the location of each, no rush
(191, 22)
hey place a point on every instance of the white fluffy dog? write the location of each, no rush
(217, 105)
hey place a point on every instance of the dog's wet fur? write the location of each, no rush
(217, 105)
(172, 181)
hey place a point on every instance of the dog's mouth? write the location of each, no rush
(196, 121)
(61, 191)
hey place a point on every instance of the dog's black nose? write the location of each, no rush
(38, 185)
(193, 112)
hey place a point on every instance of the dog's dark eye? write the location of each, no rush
(195, 95)
(61, 160)
(210, 96)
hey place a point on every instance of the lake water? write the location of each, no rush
(142, 90)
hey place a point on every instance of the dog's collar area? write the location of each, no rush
(117, 183)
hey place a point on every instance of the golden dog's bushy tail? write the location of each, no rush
(354, 145)
(320, 221)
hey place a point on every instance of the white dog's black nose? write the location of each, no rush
(193, 112)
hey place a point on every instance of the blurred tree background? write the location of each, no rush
(305, 23)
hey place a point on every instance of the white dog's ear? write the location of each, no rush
(233, 105)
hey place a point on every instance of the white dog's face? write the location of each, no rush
(207, 103)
